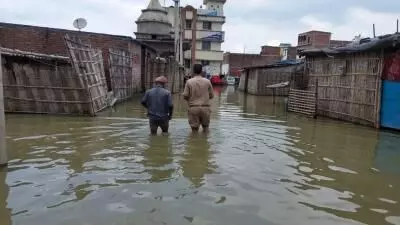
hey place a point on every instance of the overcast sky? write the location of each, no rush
(250, 23)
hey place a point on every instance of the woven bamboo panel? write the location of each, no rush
(136, 73)
(242, 81)
(348, 86)
(301, 101)
(88, 64)
(169, 68)
(260, 78)
(121, 74)
(43, 85)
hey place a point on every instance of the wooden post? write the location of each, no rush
(273, 94)
(246, 80)
(373, 30)
(378, 93)
(3, 150)
(316, 98)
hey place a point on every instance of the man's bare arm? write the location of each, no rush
(211, 91)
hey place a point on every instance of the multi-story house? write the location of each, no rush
(318, 39)
(284, 51)
(203, 28)
(234, 62)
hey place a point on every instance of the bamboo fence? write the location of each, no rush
(304, 102)
(349, 87)
(256, 80)
(37, 83)
(88, 64)
(168, 68)
(123, 83)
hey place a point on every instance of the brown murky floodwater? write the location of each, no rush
(258, 166)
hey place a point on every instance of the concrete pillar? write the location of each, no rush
(3, 150)
(176, 29)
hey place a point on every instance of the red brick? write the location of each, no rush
(51, 41)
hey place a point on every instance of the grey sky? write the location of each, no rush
(250, 23)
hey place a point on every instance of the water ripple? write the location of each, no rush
(258, 165)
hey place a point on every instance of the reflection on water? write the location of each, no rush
(259, 165)
(157, 158)
(196, 160)
(5, 213)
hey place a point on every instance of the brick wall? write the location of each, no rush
(321, 39)
(314, 39)
(318, 39)
(270, 50)
(51, 41)
(237, 61)
(275, 51)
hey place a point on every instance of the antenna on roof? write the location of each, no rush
(373, 30)
(397, 26)
(80, 23)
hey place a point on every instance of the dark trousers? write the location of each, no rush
(162, 123)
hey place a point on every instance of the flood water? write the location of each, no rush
(258, 166)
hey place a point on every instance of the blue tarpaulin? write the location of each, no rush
(390, 110)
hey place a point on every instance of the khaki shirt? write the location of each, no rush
(198, 91)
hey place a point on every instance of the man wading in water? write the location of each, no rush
(198, 92)
(158, 102)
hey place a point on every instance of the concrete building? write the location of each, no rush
(234, 62)
(203, 28)
(318, 39)
(50, 41)
(284, 51)
(153, 23)
(154, 28)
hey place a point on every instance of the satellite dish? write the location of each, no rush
(80, 23)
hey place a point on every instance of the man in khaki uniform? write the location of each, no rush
(198, 92)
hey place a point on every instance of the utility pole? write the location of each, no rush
(176, 28)
(373, 30)
(3, 150)
(181, 38)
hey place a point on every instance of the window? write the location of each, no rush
(206, 25)
(188, 24)
(302, 38)
(187, 63)
(205, 62)
(153, 37)
(206, 45)
(309, 40)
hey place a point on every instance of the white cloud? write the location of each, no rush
(242, 5)
(314, 23)
(357, 21)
